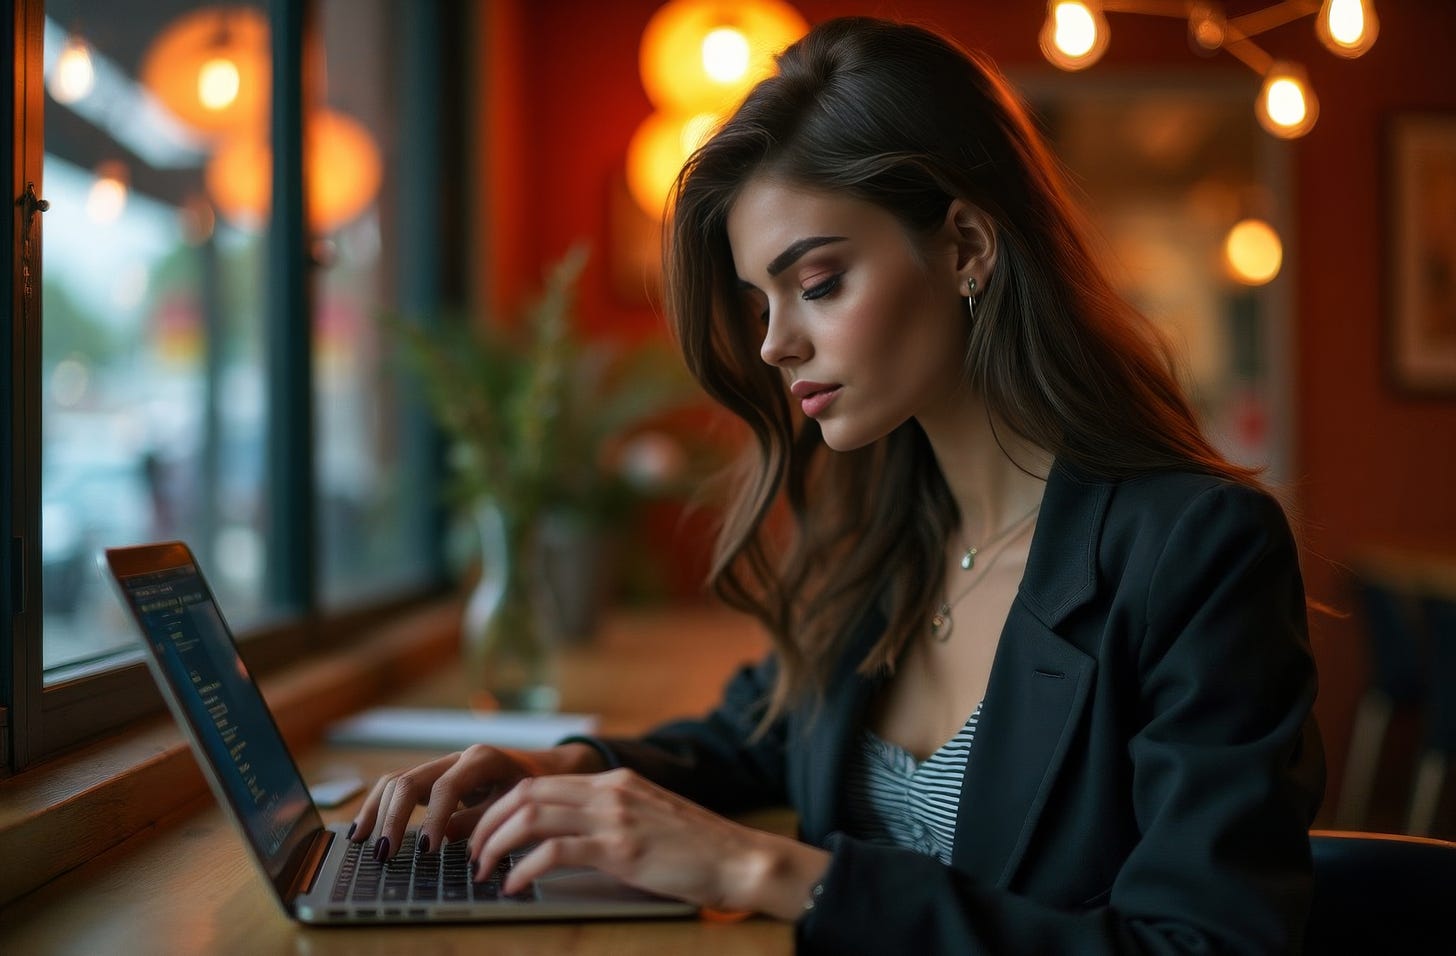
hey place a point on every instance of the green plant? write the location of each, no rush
(536, 416)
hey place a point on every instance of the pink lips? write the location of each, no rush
(814, 397)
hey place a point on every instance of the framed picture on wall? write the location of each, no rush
(1421, 204)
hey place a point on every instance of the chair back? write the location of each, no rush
(1439, 612)
(1397, 655)
(1381, 893)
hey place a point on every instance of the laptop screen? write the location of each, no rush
(211, 691)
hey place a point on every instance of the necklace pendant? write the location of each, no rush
(941, 624)
(968, 560)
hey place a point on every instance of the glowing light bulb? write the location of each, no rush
(1286, 103)
(73, 77)
(1287, 106)
(1347, 27)
(1253, 252)
(218, 83)
(107, 198)
(1074, 34)
(725, 54)
(1076, 31)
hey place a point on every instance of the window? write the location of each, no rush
(195, 352)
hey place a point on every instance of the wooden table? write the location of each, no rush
(187, 885)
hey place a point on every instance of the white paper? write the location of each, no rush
(457, 729)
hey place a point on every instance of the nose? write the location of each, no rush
(784, 343)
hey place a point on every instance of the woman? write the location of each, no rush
(1041, 681)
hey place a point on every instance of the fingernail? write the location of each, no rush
(352, 828)
(424, 843)
(381, 850)
(474, 866)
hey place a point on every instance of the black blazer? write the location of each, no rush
(1145, 769)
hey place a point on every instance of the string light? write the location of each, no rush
(1287, 106)
(1347, 27)
(73, 77)
(1075, 35)
(107, 196)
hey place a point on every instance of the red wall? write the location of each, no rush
(1371, 466)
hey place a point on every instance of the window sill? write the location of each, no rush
(58, 815)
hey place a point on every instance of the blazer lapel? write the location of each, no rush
(1038, 686)
(1033, 706)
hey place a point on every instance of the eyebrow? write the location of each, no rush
(796, 249)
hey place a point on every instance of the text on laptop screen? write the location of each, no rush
(227, 714)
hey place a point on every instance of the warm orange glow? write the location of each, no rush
(73, 76)
(704, 55)
(1287, 106)
(1347, 27)
(1207, 28)
(657, 152)
(211, 68)
(107, 197)
(1253, 252)
(342, 167)
(1074, 34)
(218, 83)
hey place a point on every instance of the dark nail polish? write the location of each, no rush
(352, 828)
(424, 844)
(474, 866)
(381, 851)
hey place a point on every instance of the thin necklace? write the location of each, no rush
(941, 622)
(968, 560)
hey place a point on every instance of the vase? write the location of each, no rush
(508, 654)
(574, 564)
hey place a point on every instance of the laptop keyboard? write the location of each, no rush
(441, 876)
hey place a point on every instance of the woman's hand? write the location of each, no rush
(458, 789)
(649, 837)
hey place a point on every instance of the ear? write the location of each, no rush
(972, 235)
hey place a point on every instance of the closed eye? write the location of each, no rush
(822, 289)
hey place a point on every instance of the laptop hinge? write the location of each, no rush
(311, 865)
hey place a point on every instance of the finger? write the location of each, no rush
(529, 789)
(363, 823)
(403, 793)
(386, 801)
(531, 792)
(462, 822)
(567, 789)
(553, 854)
(474, 778)
(532, 823)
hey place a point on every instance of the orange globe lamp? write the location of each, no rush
(342, 168)
(212, 69)
(705, 55)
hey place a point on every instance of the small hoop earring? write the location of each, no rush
(971, 296)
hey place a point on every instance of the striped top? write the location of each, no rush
(894, 800)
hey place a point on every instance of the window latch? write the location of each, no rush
(29, 204)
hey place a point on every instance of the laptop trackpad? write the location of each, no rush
(586, 885)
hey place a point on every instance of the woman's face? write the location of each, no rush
(868, 330)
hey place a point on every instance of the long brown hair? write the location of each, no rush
(895, 115)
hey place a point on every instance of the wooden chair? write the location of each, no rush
(1381, 893)
(1397, 681)
(1439, 616)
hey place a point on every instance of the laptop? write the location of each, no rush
(317, 875)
